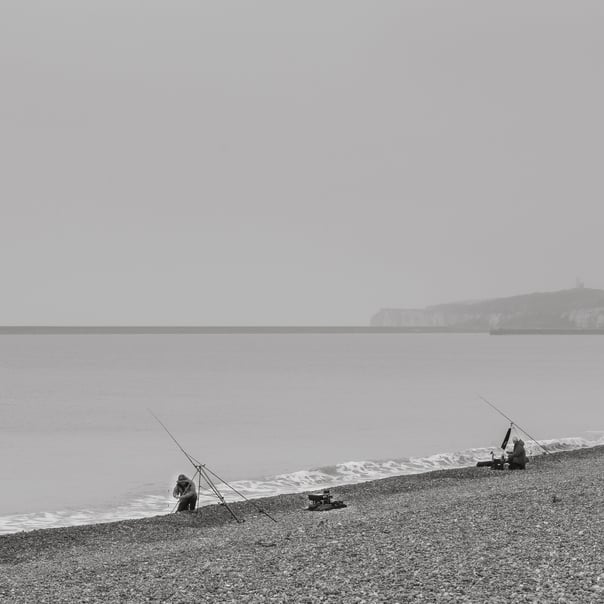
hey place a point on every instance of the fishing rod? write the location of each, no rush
(189, 457)
(513, 423)
(198, 469)
(238, 493)
(193, 461)
(204, 472)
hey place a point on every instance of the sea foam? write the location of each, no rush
(349, 472)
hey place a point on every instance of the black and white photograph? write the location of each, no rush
(302, 302)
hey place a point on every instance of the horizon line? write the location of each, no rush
(212, 329)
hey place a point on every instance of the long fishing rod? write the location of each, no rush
(194, 462)
(240, 494)
(198, 467)
(513, 423)
(203, 471)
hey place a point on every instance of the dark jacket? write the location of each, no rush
(185, 487)
(518, 456)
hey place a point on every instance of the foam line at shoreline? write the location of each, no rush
(348, 473)
(469, 534)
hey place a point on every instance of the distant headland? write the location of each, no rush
(579, 310)
(571, 311)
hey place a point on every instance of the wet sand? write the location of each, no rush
(470, 535)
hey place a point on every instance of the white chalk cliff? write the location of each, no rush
(578, 308)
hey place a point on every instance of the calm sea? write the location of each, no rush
(269, 413)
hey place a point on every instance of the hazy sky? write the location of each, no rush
(275, 162)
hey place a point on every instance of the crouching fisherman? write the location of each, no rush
(186, 493)
(517, 458)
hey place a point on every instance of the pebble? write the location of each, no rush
(470, 535)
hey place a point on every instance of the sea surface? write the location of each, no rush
(270, 413)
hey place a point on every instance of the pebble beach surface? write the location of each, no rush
(467, 535)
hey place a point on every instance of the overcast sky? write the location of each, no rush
(276, 162)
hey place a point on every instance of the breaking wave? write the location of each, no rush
(296, 482)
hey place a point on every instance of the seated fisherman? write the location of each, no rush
(517, 459)
(186, 492)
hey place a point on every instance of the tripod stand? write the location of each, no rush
(202, 472)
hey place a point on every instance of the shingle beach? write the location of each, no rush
(467, 535)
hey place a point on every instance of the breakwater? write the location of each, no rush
(227, 329)
(539, 332)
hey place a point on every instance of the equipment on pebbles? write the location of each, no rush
(323, 502)
(498, 462)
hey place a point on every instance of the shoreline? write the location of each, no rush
(323, 477)
(463, 535)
